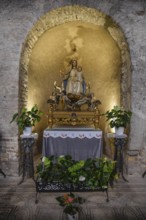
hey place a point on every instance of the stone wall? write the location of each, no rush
(18, 17)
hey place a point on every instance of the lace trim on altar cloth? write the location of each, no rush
(72, 134)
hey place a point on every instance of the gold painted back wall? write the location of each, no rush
(96, 52)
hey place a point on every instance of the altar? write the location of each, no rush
(80, 143)
(73, 118)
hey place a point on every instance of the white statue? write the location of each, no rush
(71, 82)
(73, 92)
(79, 80)
(75, 83)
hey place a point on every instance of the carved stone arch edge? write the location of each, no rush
(76, 13)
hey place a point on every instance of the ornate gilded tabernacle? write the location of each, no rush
(73, 103)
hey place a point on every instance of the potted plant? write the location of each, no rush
(25, 119)
(119, 118)
(71, 204)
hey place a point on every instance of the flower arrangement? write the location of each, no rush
(92, 173)
(71, 203)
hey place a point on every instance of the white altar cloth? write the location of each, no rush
(80, 144)
(73, 133)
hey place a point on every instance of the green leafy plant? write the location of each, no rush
(27, 118)
(70, 202)
(118, 117)
(93, 173)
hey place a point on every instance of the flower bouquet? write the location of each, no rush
(70, 203)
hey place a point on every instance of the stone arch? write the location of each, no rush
(76, 13)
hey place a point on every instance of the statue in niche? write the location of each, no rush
(74, 92)
(71, 82)
(74, 82)
(80, 83)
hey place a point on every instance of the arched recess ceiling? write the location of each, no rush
(75, 32)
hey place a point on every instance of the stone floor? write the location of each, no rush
(127, 201)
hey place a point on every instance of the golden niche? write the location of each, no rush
(95, 51)
(73, 103)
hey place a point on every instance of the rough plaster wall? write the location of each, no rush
(17, 18)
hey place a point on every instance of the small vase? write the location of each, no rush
(27, 131)
(119, 131)
(72, 217)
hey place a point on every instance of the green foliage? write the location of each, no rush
(118, 117)
(92, 173)
(27, 118)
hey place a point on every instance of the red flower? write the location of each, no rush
(69, 200)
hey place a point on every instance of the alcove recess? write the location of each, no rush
(81, 33)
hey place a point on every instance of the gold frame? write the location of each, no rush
(74, 118)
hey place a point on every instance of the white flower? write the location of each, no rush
(43, 159)
(105, 159)
(82, 178)
(61, 156)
